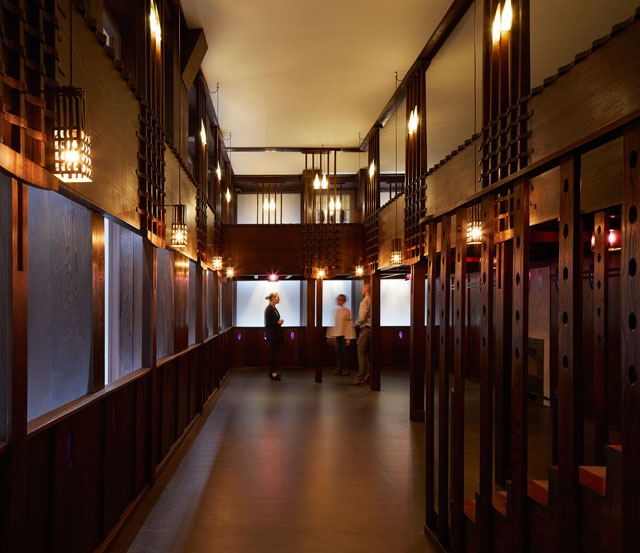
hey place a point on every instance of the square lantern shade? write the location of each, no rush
(179, 227)
(71, 143)
(396, 251)
(474, 225)
(216, 263)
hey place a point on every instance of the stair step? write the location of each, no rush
(470, 510)
(500, 502)
(538, 490)
(594, 478)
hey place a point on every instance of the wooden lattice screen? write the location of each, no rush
(29, 32)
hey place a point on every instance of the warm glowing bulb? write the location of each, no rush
(359, 270)
(316, 183)
(219, 172)
(203, 134)
(72, 156)
(338, 204)
(413, 121)
(216, 263)
(372, 169)
(507, 16)
(320, 273)
(593, 241)
(154, 22)
(496, 26)
(612, 237)
(325, 184)
(230, 272)
(228, 196)
(266, 205)
(332, 206)
(272, 205)
(273, 277)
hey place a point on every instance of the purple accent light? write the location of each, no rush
(400, 335)
(265, 335)
(293, 334)
(239, 336)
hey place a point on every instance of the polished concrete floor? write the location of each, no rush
(292, 466)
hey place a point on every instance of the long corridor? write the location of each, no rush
(292, 466)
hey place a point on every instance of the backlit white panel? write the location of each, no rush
(250, 302)
(330, 291)
(395, 303)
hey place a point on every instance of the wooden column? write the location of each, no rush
(417, 341)
(631, 343)
(17, 423)
(216, 330)
(319, 336)
(519, 368)
(487, 252)
(149, 346)
(201, 310)
(459, 371)
(600, 335)
(444, 368)
(569, 355)
(430, 371)
(97, 311)
(310, 330)
(374, 368)
(502, 343)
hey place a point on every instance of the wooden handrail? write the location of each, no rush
(169, 358)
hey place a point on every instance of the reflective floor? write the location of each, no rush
(292, 466)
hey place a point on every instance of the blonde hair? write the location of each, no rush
(271, 296)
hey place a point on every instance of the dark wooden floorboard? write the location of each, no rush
(292, 466)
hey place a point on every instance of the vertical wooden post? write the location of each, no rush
(431, 368)
(569, 352)
(519, 368)
(631, 341)
(417, 341)
(374, 352)
(444, 367)
(201, 310)
(310, 330)
(97, 311)
(17, 424)
(216, 330)
(319, 336)
(502, 342)
(487, 251)
(459, 371)
(600, 335)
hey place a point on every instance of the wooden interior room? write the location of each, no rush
(166, 164)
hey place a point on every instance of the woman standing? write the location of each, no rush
(273, 332)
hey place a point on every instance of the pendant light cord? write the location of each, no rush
(70, 43)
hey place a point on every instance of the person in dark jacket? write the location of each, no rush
(273, 332)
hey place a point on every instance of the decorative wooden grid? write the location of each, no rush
(201, 222)
(415, 205)
(371, 245)
(503, 216)
(150, 173)
(320, 249)
(29, 31)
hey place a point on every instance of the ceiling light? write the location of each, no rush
(396, 251)
(325, 184)
(316, 183)
(359, 270)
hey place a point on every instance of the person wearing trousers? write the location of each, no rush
(364, 339)
(273, 332)
(342, 332)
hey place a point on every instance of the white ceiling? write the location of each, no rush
(303, 73)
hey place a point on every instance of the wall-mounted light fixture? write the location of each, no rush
(230, 272)
(474, 225)
(413, 121)
(179, 226)
(359, 270)
(216, 263)
(273, 277)
(396, 251)
(320, 274)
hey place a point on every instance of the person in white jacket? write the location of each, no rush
(343, 332)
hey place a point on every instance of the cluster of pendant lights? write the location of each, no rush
(502, 21)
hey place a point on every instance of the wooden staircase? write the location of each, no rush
(600, 511)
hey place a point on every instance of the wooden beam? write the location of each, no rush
(194, 47)
(444, 368)
(459, 373)
(17, 427)
(26, 170)
(431, 369)
(487, 348)
(631, 342)
(519, 369)
(417, 342)
(600, 336)
(569, 355)
(98, 295)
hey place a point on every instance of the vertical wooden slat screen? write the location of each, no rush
(459, 374)
(519, 368)
(372, 203)
(444, 368)
(600, 335)
(318, 329)
(97, 311)
(486, 381)
(569, 353)
(631, 342)
(430, 371)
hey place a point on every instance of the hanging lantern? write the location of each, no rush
(474, 225)
(216, 263)
(71, 143)
(413, 121)
(325, 183)
(203, 133)
(320, 274)
(230, 272)
(179, 227)
(372, 169)
(316, 183)
(219, 172)
(396, 251)
(359, 270)
(228, 196)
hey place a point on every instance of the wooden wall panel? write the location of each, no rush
(559, 109)
(182, 393)
(168, 405)
(39, 493)
(390, 225)
(112, 120)
(143, 431)
(119, 454)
